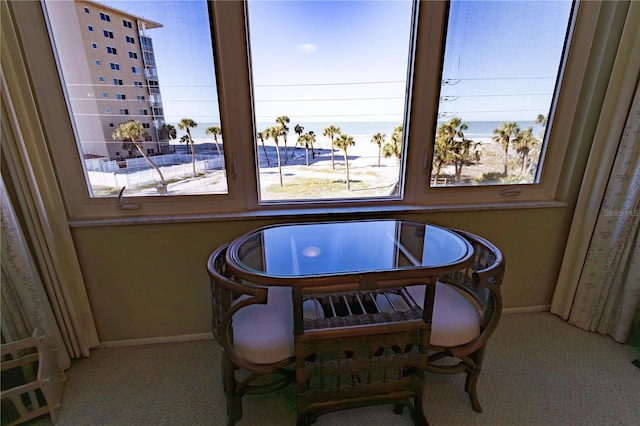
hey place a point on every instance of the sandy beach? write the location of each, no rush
(366, 178)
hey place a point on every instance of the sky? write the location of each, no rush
(347, 60)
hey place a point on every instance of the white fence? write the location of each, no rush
(141, 175)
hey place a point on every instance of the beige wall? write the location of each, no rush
(151, 280)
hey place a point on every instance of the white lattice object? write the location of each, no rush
(41, 392)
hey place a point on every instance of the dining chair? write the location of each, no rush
(254, 326)
(466, 310)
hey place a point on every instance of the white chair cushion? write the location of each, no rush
(263, 334)
(455, 319)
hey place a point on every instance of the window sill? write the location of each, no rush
(324, 213)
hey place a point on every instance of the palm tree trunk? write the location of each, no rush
(285, 150)
(379, 154)
(149, 161)
(346, 162)
(333, 165)
(279, 164)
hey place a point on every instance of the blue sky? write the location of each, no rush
(316, 50)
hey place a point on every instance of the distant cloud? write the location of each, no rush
(307, 47)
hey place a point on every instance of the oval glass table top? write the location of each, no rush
(344, 247)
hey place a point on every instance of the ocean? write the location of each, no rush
(476, 129)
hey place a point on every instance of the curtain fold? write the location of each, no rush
(29, 174)
(25, 305)
(597, 287)
(608, 292)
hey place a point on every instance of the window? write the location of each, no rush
(135, 70)
(94, 45)
(114, 66)
(108, 110)
(126, 23)
(117, 82)
(112, 50)
(143, 112)
(130, 40)
(101, 78)
(133, 55)
(146, 125)
(105, 95)
(409, 85)
(111, 125)
(105, 17)
(90, 28)
(121, 96)
(107, 34)
(98, 63)
(124, 111)
(140, 98)
(86, 10)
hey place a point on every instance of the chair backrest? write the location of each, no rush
(481, 281)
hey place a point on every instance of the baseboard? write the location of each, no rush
(155, 340)
(526, 309)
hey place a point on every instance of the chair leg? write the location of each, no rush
(234, 401)
(470, 388)
(419, 418)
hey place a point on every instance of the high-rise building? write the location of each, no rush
(109, 70)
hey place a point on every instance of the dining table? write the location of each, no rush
(349, 349)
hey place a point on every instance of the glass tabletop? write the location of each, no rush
(330, 248)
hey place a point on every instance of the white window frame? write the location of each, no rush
(235, 94)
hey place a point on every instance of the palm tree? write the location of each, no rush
(378, 139)
(393, 148)
(168, 131)
(298, 129)
(331, 131)
(542, 120)
(344, 142)
(524, 143)
(215, 131)
(505, 135)
(130, 132)
(275, 132)
(264, 135)
(307, 139)
(282, 121)
(188, 124)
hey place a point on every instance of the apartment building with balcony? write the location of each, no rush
(106, 56)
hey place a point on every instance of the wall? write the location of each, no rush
(151, 280)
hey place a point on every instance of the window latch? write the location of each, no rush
(126, 206)
(514, 192)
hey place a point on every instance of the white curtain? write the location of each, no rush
(25, 305)
(608, 292)
(598, 286)
(44, 233)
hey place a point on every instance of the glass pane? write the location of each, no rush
(501, 63)
(329, 88)
(142, 91)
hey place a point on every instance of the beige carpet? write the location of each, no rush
(539, 370)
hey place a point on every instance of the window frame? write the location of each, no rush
(230, 46)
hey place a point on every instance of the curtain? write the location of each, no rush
(608, 292)
(29, 177)
(25, 305)
(597, 287)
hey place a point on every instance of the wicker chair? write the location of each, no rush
(350, 354)
(466, 311)
(254, 326)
